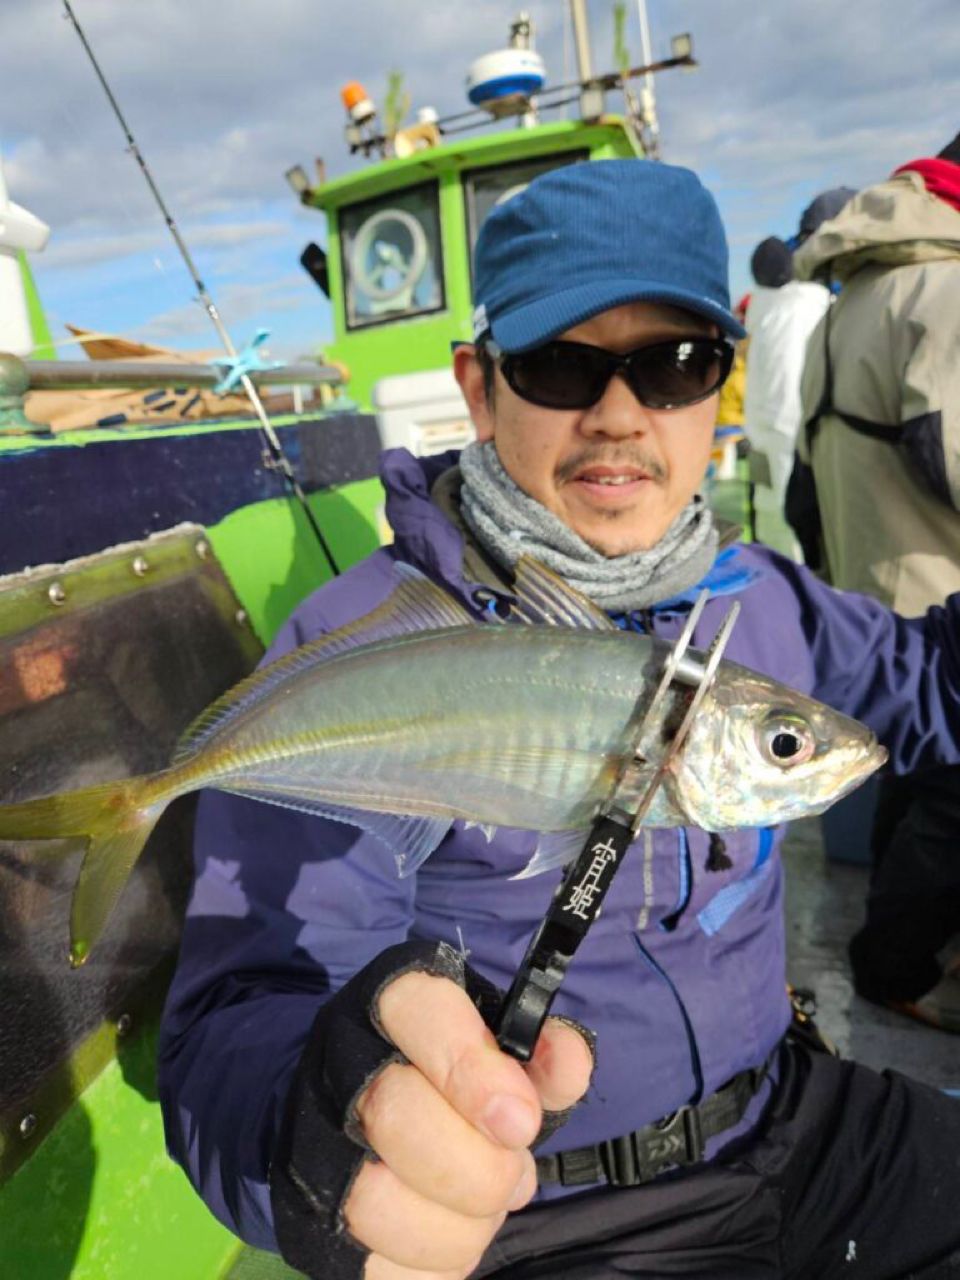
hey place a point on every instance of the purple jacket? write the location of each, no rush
(287, 907)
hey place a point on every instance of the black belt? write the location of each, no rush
(637, 1157)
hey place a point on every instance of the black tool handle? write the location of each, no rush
(575, 906)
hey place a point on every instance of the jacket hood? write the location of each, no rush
(894, 223)
(421, 531)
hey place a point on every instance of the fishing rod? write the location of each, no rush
(274, 453)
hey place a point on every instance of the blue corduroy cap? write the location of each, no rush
(590, 236)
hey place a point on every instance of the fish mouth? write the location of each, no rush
(875, 758)
(879, 755)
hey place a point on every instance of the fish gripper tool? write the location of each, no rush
(577, 901)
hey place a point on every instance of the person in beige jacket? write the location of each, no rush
(881, 407)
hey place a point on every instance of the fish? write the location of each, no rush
(418, 715)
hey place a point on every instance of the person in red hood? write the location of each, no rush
(881, 404)
(940, 173)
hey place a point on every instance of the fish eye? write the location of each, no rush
(786, 740)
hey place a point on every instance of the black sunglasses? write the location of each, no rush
(574, 375)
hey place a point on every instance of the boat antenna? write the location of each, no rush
(274, 455)
(647, 93)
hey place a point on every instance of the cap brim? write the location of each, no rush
(546, 318)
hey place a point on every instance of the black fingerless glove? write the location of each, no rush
(321, 1148)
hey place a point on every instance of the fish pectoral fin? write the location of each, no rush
(543, 598)
(554, 849)
(411, 840)
(487, 828)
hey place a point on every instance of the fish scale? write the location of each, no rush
(570, 722)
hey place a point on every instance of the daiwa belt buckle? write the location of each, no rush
(577, 901)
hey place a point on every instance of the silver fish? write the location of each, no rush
(416, 716)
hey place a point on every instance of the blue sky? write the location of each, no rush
(789, 99)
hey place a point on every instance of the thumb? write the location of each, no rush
(562, 1063)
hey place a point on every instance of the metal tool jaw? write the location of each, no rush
(577, 901)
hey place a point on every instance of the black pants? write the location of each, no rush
(913, 907)
(851, 1174)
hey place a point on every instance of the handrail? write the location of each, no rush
(76, 375)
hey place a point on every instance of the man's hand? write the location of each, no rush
(452, 1131)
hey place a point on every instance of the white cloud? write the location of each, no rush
(88, 249)
(237, 303)
(789, 99)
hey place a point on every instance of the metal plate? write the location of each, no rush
(103, 663)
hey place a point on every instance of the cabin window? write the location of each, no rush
(484, 188)
(391, 256)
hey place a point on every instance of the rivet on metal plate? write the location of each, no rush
(56, 593)
(27, 1125)
(140, 566)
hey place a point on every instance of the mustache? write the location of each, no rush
(622, 456)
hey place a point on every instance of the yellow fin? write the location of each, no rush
(114, 821)
(110, 858)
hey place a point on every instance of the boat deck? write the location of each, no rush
(825, 903)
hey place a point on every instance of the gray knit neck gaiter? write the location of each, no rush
(508, 524)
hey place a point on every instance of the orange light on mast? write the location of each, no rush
(357, 102)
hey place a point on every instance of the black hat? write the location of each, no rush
(772, 263)
(822, 208)
(951, 151)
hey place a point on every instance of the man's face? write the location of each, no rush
(617, 473)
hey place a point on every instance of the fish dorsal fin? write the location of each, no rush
(415, 604)
(543, 598)
(418, 604)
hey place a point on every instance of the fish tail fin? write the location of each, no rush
(114, 820)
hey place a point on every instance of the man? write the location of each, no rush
(782, 315)
(882, 399)
(783, 312)
(327, 1074)
(822, 208)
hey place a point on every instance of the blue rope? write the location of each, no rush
(234, 368)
